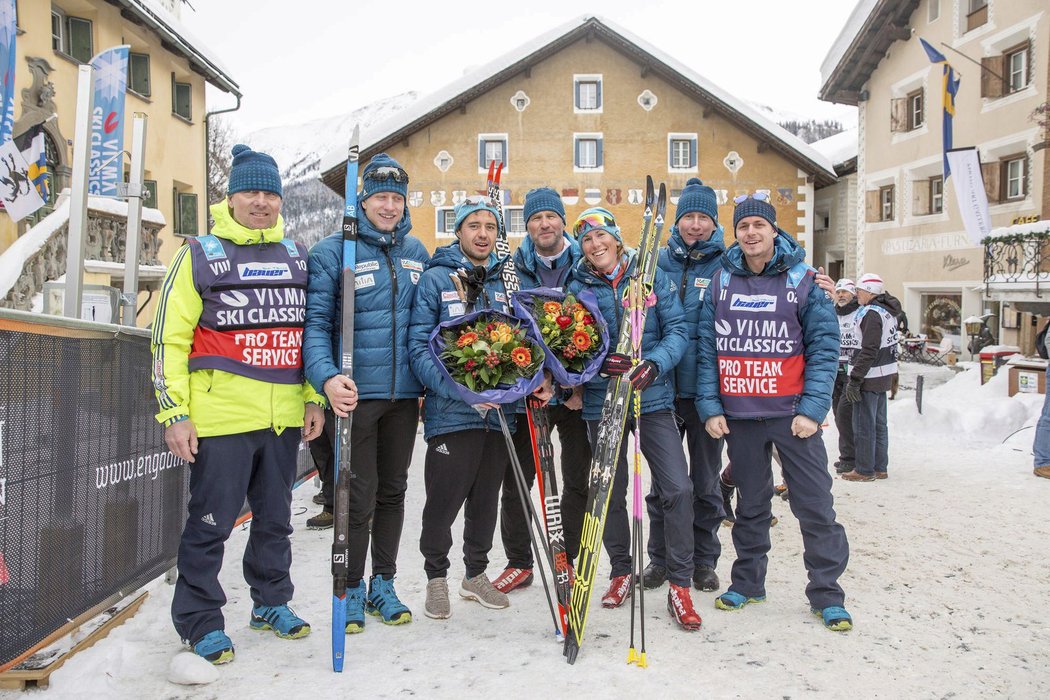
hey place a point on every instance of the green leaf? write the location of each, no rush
(469, 381)
(484, 374)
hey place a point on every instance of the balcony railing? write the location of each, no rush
(1018, 259)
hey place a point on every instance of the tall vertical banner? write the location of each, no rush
(8, 31)
(107, 121)
(970, 193)
(949, 89)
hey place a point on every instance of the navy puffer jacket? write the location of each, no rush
(820, 335)
(526, 263)
(389, 265)
(690, 270)
(438, 301)
(663, 339)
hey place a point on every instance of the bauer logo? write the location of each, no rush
(264, 271)
(753, 302)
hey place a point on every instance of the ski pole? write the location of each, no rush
(530, 515)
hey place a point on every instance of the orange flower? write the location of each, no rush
(552, 307)
(581, 340)
(467, 339)
(521, 356)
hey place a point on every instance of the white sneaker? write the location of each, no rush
(481, 589)
(437, 605)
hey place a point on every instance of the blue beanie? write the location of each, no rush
(252, 170)
(698, 197)
(543, 199)
(473, 204)
(755, 207)
(369, 186)
(596, 219)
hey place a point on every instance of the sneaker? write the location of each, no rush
(215, 647)
(513, 578)
(619, 589)
(653, 576)
(843, 467)
(858, 476)
(437, 606)
(1042, 471)
(383, 602)
(680, 605)
(355, 608)
(835, 618)
(882, 475)
(279, 618)
(731, 600)
(322, 521)
(318, 498)
(479, 588)
(705, 578)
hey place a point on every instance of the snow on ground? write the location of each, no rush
(946, 583)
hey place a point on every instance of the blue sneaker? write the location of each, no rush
(731, 600)
(835, 618)
(279, 618)
(215, 647)
(355, 608)
(383, 602)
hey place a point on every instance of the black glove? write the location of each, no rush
(615, 364)
(474, 281)
(852, 392)
(643, 375)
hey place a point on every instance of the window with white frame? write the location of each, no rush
(515, 221)
(587, 93)
(445, 222)
(492, 147)
(681, 152)
(886, 198)
(916, 109)
(588, 152)
(1014, 177)
(1017, 68)
(71, 36)
(937, 194)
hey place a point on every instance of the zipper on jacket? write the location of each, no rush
(393, 324)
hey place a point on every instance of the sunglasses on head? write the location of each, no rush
(592, 221)
(387, 172)
(483, 200)
(757, 196)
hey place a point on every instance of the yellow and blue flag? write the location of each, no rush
(949, 89)
(34, 150)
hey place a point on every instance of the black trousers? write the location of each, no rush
(843, 411)
(575, 461)
(462, 467)
(381, 440)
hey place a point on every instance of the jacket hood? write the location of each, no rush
(848, 308)
(452, 256)
(786, 254)
(888, 302)
(715, 245)
(227, 227)
(370, 233)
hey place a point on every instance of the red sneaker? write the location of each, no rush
(680, 605)
(619, 589)
(513, 578)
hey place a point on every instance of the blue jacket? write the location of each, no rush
(691, 270)
(820, 336)
(663, 339)
(388, 268)
(526, 262)
(437, 301)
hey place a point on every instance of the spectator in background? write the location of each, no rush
(1041, 448)
(846, 308)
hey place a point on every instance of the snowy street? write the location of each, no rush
(946, 584)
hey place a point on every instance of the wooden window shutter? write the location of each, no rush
(898, 114)
(920, 197)
(990, 174)
(991, 72)
(872, 206)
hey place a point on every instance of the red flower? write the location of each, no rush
(471, 364)
(588, 320)
(563, 322)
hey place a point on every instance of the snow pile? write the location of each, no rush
(965, 412)
(186, 668)
(840, 147)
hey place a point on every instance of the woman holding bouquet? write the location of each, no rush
(466, 453)
(605, 270)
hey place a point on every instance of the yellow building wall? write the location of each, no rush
(174, 148)
(540, 144)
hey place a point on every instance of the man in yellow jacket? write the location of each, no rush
(227, 369)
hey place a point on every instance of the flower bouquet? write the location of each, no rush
(488, 356)
(571, 329)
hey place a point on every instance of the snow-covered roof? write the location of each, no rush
(157, 18)
(1021, 229)
(429, 107)
(840, 147)
(845, 39)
